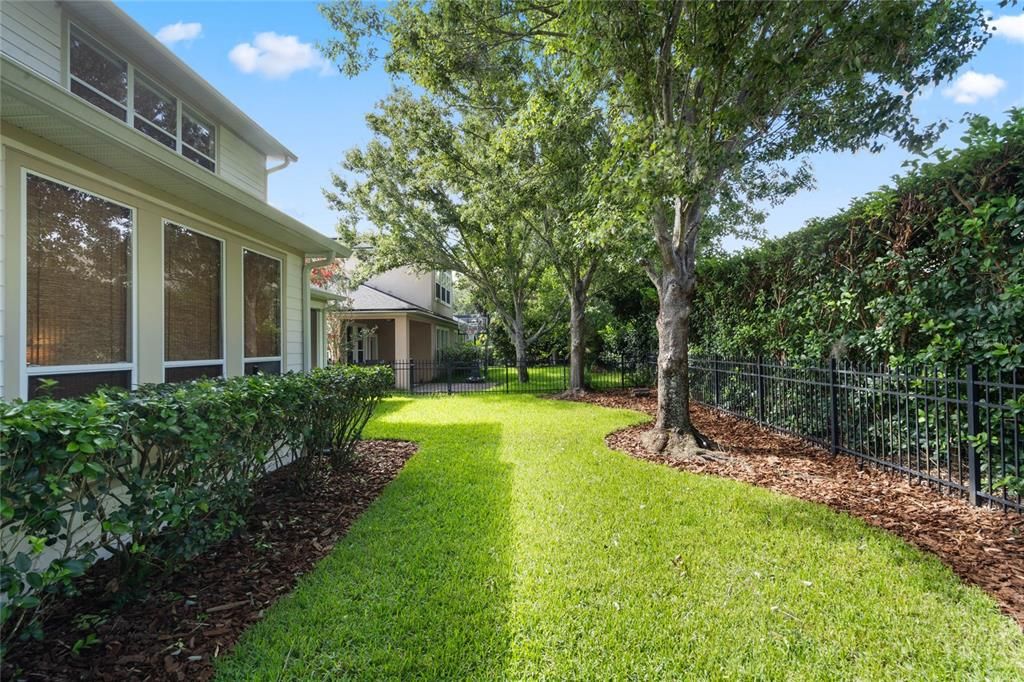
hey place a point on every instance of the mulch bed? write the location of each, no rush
(983, 546)
(198, 613)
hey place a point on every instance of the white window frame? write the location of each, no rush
(367, 344)
(130, 115)
(445, 287)
(280, 310)
(102, 48)
(222, 361)
(155, 85)
(132, 364)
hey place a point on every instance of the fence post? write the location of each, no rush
(760, 390)
(412, 374)
(717, 382)
(833, 380)
(973, 464)
(506, 377)
(448, 372)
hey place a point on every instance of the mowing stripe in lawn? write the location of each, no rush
(516, 545)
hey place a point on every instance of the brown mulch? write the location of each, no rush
(982, 546)
(198, 613)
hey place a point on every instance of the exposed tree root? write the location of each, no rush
(683, 445)
(573, 393)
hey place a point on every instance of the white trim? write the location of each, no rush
(170, 364)
(281, 340)
(72, 167)
(37, 370)
(25, 370)
(222, 360)
(449, 287)
(274, 358)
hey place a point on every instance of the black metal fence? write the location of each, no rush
(960, 429)
(450, 377)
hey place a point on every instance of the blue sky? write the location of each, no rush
(261, 56)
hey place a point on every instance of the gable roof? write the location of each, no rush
(366, 298)
(120, 31)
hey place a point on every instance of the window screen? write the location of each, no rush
(262, 276)
(79, 277)
(192, 295)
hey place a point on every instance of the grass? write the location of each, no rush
(515, 545)
(550, 378)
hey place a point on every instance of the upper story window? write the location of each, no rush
(156, 112)
(110, 83)
(99, 76)
(443, 287)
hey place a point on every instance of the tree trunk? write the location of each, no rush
(675, 302)
(519, 342)
(673, 432)
(577, 347)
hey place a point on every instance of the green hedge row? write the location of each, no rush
(930, 270)
(154, 476)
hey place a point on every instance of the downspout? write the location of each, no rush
(281, 166)
(307, 326)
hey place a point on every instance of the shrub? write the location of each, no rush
(929, 270)
(153, 477)
(463, 352)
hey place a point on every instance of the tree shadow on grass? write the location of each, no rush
(419, 586)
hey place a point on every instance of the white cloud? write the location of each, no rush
(972, 86)
(276, 56)
(1009, 26)
(176, 33)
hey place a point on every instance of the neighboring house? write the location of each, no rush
(137, 242)
(401, 316)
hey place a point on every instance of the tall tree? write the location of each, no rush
(713, 99)
(549, 139)
(714, 104)
(441, 199)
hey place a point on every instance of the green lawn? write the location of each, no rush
(515, 545)
(548, 378)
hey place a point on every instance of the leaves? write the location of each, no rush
(154, 476)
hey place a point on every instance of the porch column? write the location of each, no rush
(402, 357)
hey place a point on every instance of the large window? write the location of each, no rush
(443, 287)
(103, 79)
(193, 300)
(262, 288)
(78, 290)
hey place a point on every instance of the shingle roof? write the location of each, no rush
(366, 297)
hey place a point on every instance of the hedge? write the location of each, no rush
(929, 270)
(153, 477)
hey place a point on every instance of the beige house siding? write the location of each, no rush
(25, 152)
(3, 242)
(242, 165)
(292, 352)
(30, 32)
(407, 284)
(33, 33)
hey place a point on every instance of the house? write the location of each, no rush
(137, 241)
(401, 316)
